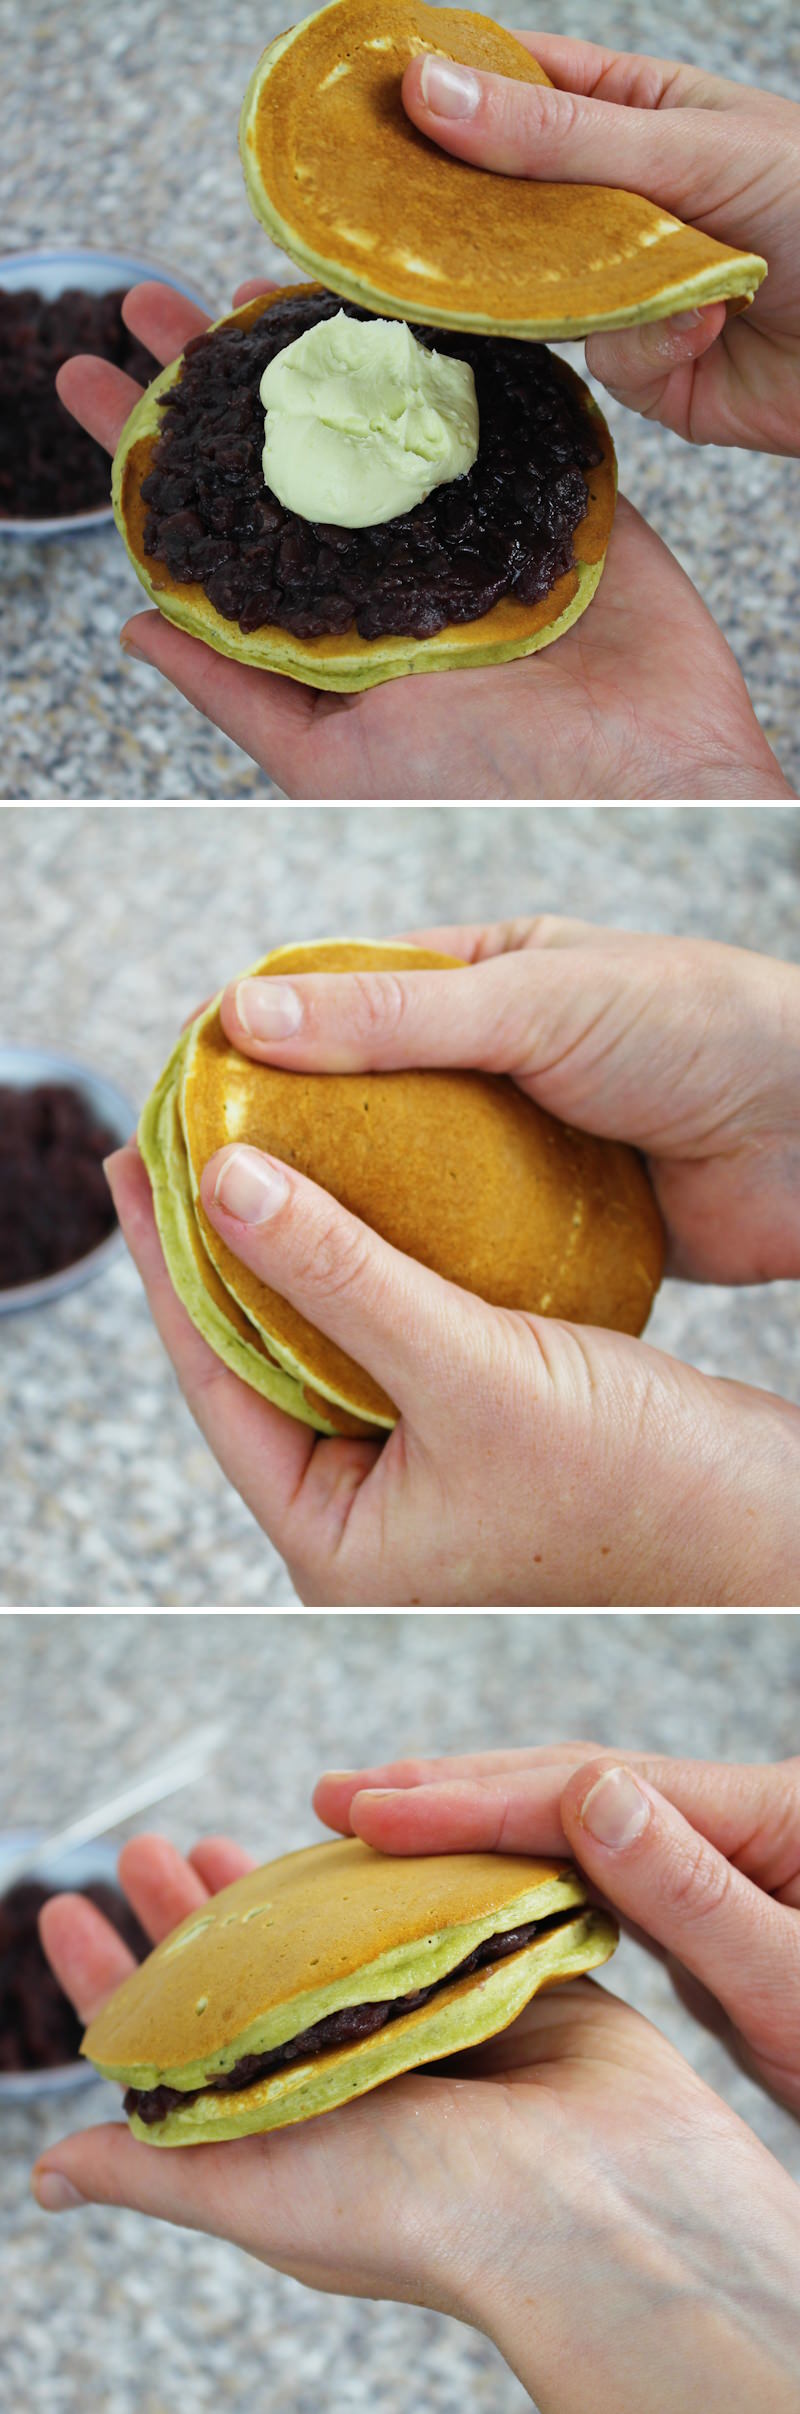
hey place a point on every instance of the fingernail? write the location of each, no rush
(450, 91)
(249, 1187)
(339, 1773)
(127, 647)
(615, 1811)
(376, 1793)
(268, 1009)
(666, 335)
(54, 2193)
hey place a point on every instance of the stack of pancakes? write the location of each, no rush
(459, 1170)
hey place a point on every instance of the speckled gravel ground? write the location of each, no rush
(155, 95)
(117, 923)
(100, 2312)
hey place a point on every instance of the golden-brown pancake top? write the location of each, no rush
(296, 1925)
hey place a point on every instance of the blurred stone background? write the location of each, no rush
(100, 2311)
(117, 924)
(120, 130)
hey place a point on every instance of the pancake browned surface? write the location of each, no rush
(305, 1937)
(347, 662)
(358, 196)
(459, 1170)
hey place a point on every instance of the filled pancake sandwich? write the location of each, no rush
(459, 1170)
(328, 1972)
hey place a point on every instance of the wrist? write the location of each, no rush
(681, 2350)
(611, 2302)
(737, 1510)
(758, 1503)
(705, 1506)
(756, 780)
(752, 773)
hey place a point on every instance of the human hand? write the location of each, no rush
(533, 1461)
(601, 1027)
(708, 1864)
(575, 2160)
(631, 702)
(721, 156)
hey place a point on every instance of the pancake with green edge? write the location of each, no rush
(458, 1170)
(212, 1309)
(321, 1975)
(343, 661)
(348, 186)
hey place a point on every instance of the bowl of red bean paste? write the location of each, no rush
(54, 478)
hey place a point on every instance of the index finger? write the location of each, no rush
(85, 1953)
(163, 320)
(631, 77)
(511, 1801)
(101, 397)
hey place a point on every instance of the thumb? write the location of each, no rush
(635, 363)
(682, 158)
(655, 1868)
(403, 1323)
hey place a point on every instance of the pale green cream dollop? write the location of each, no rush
(362, 421)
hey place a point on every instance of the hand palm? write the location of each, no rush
(595, 715)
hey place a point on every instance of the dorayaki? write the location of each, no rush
(324, 1974)
(459, 1170)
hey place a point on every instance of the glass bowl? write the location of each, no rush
(51, 270)
(21, 1068)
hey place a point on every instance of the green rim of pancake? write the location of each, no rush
(326, 662)
(212, 1309)
(265, 1363)
(728, 275)
(464, 2015)
(373, 1418)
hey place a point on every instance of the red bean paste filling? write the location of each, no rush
(49, 467)
(505, 528)
(339, 2028)
(55, 1203)
(38, 2028)
(54, 1196)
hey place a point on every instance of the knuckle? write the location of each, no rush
(378, 1004)
(414, 1771)
(335, 1259)
(562, 114)
(616, 359)
(508, 937)
(701, 1882)
(539, 112)
(771, 1852)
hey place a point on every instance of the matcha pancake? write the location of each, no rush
(357, 196)
(459, 1170)
(321, 1975)
(491, 565)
